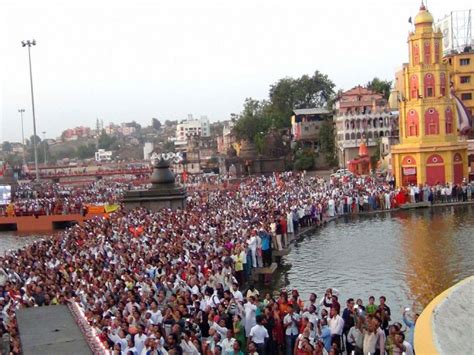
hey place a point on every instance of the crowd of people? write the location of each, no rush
(179, 282)
(54, 198)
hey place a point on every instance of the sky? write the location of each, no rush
(133, 60)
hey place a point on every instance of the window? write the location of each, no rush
(429, 92)
(466, 96)
(464, 61)
(465, 79)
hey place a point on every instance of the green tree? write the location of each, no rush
(155, 123)
(168, 147)
(307, 91)
(253, 120)
(7, 147)
(327, 142)
(304, 159)
(382, 87)
(105, 141)
(86, 151)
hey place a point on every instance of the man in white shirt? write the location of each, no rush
(291, 323)
(139, 340)
(336, 325)
(259, 335)
(228, 343)
(236, 293)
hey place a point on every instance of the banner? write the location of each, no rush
(409, 171)
(111, 208)
(446, 28)
(95, 209)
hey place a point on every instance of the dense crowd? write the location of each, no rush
(54, 198)
(179, 282)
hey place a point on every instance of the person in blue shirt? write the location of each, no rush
(324, 333)
(266, 247)
(410, 325)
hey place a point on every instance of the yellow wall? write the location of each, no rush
(457, 70)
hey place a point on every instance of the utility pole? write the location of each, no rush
(28, 44)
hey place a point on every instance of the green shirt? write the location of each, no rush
(371, 308)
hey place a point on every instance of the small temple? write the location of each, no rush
(360, 165)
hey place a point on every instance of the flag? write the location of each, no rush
(464, 117)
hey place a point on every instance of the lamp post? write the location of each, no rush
(44, 147)
(28, 44)
(21, 111)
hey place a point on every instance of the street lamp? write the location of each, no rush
(21, 111)
(28, 44)
(44, 147)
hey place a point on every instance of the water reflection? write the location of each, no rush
(408, 256)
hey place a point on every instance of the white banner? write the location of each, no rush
(445, 25)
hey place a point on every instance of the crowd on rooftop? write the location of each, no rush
(179, 282)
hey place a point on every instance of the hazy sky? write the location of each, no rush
(134, 60)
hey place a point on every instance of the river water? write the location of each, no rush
(407, 256)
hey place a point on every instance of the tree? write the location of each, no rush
(105, 141)
(253, 121)
(7, 147)
(327, 142)
(382, 87)
(288, 94)
(304, 159)
(155, 123)
(86, 151)
(168, 147)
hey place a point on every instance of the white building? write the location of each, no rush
(103, 155)
(354, 128)
(191, 127)
(148, 150)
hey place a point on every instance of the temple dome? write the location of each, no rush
(423, 17)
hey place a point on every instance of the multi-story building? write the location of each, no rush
(189, 128)
(461, 70)
(306, 123)
(76, 133)
(362, 116)
(227, 140)
(429, 150)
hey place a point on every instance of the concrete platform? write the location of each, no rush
(280, 253)
(445, 325)
(50, 330)
(265, 270)
(407, 206)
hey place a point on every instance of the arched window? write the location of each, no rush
(369, 123)
(358, 135)
(412, 123)
(369, 135)
(353, 136)
(416, 53)
(449, 121)
(358, 124)
(380, 122)
(429, 84)
(427, 53)
(375, 123)
(347, 124)
(387, 133)
(352, 124)
(376, 134)
(381, 134)
(431, 122)
(414, 87)
(442, 84)
(348, 136)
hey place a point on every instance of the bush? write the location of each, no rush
(304, 160)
